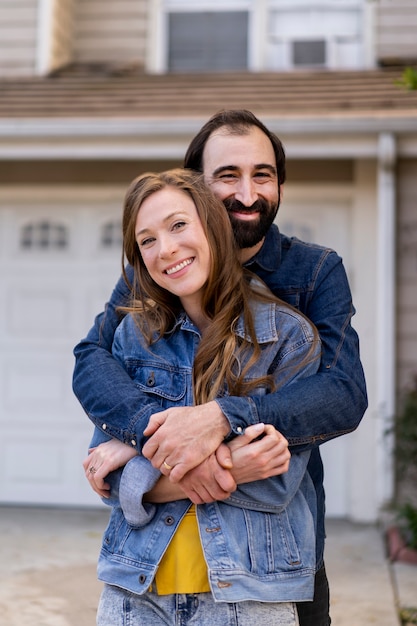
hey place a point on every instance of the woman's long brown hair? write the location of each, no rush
(221, 352)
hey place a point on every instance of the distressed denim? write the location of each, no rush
(118, 608)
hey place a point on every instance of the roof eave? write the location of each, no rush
(327, 136)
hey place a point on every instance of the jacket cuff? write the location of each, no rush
(138, 477)
(239, 412)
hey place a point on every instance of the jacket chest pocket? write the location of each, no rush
(164, 382)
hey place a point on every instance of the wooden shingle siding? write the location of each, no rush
(396, 30)
(18, 31)
(110, 32)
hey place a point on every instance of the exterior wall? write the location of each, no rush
(407, 273)
(18, 33)
(110, 32)
(62, 33)
(396, 25)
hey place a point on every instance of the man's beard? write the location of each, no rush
(248, 234)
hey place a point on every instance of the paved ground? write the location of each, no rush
(48, 561)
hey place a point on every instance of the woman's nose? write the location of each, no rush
(167, 247)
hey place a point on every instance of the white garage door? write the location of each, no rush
(58, 264)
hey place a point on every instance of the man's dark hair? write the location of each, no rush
(237, 122)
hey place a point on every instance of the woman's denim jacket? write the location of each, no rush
(259, 544)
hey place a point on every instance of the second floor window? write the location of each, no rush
(200, 41)
(239, 35)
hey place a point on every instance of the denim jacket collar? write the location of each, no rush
(269, 256)
(263, 318)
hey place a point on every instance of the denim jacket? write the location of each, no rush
(259, 544)
(308, 412)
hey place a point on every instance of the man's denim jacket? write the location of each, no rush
(308, 412)
(260, 543)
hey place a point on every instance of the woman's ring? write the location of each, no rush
(168, 467)
(92, 470)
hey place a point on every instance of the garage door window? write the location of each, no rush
(111, 235)
(44, 235)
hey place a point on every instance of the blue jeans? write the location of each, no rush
(118, 607)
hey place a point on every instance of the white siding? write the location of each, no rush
(18, 32)
(110, 32)
(396, 29)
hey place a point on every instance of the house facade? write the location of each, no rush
(93, 93)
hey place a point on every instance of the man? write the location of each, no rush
(244, 164)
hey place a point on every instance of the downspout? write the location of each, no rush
(386, 304)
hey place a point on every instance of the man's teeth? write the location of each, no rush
(179, 267)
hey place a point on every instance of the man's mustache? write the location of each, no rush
(235, 206)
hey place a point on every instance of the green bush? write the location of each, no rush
(408, 514)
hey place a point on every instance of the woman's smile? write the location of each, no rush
(178, 267)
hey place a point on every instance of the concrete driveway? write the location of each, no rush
(48, 569)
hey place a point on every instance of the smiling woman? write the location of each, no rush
(200, 326)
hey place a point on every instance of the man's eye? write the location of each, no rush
(227, 178)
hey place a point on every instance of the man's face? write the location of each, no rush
(241, 170)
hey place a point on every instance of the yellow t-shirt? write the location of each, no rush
(183, 568)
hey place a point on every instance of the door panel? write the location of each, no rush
(326, 223)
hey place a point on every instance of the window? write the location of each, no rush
(309, 53)
(44, 235)
(307, 33)
(204, 41)
(111, 235)
(236, 35)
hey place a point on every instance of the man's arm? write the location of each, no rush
(332, 402)
(103, 387)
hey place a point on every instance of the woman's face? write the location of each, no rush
(173, 244)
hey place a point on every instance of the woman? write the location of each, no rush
(199, 326)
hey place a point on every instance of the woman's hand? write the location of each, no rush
(257, 459)
(243, 460)
(102, 460)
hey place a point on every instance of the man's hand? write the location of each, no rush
(102, 460)
(183, 437)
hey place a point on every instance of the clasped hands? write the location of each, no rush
(186, 444)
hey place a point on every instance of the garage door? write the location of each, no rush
(326, 222)
(58, 264)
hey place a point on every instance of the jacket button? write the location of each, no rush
(169, 520)
(142, 579)
(151, 380)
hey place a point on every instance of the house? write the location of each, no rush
(93, 93)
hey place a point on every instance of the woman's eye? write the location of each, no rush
(178, 225)
(146, 242)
